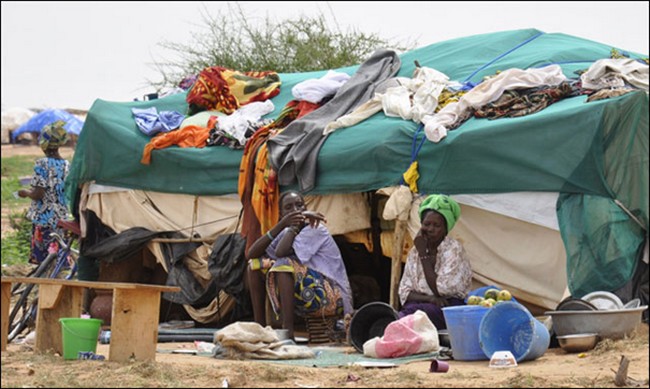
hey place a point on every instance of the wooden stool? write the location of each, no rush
(320, 329)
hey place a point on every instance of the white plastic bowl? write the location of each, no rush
(634, 303)
(613, 324)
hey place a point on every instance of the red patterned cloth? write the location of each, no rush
(226, 90)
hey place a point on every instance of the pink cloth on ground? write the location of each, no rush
(412, 334)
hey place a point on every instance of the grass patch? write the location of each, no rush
(16, 244)
(18, 165)
(13, 168)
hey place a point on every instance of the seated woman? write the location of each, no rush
(298, 264)
(437, 274)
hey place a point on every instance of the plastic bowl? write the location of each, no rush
(578, 343)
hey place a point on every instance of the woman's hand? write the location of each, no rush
(439, 301)
(315, 218)
(295, 218)
(298, 219)
(420, 242)
(23, 193)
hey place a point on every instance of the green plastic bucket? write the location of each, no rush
(79, 335)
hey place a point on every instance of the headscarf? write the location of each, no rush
(53, 135)
(444, 205)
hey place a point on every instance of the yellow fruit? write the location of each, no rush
(474, 300)
(491, 294)
(487, 303)
(504, 295)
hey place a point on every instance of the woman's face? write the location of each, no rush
(434, 226)
(292, 202)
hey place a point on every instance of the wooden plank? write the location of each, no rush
(51, 298)
(48, 328)
(134, 324)
(92, 284)
(396, 264)
(6, 302)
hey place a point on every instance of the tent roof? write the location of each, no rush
(14, 117)
(557, 149)
(595, 154)
(37, 122)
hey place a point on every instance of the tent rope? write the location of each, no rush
(415, 150)
(502, 55)
(629, 213)
(191, 238)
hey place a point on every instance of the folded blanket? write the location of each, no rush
(244, 340)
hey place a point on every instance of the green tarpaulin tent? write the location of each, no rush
(595, 154)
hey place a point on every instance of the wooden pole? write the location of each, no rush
(621, 375)
(396, 268)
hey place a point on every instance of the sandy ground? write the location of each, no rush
(556, 368)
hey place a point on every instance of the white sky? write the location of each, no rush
(67, 54)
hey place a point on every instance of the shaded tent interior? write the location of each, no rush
(569, 163)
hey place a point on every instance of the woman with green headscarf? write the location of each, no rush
(437, 274)
(49, 204)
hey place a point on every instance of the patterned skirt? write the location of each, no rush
(314, 295)
(42, 244)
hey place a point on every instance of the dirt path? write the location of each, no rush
(12, 150)
(556, 368)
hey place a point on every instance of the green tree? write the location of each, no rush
(287, 46)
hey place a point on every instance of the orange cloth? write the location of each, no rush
(188, 136)
(265, 197)
(258, 186)
(250, 225)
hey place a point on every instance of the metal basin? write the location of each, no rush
(612, 324)
(282, 334)
(578, 343)
(443, 338)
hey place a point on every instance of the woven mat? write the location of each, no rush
(337, 356)
(331, 357)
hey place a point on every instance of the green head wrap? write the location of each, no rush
(444, 205)
(53, 135)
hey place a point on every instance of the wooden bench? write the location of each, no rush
(134, 320)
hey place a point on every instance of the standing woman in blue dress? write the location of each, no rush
(49, 204)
